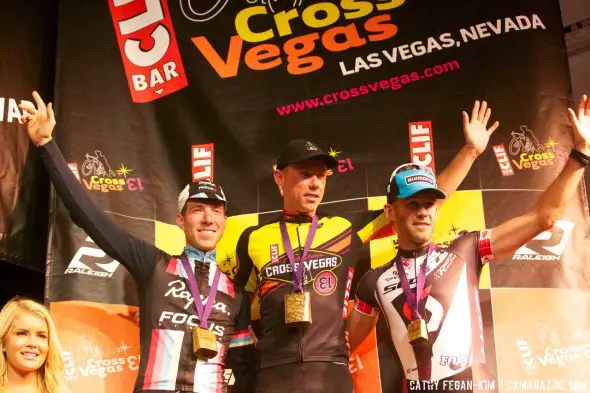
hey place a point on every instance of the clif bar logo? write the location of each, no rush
(503, 160)
(421, 144)
(202, 162)
(148, 48)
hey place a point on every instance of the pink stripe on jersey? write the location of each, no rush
(164, 356)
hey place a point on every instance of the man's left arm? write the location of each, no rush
(375, 225)
(512, 234)
(477, 136)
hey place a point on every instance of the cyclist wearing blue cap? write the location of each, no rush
(192, 317)
(428, 293)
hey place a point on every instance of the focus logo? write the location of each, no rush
(202, 162)
(148, 48)
(421, 144)
(98, 175)
(548, 245)
(105, 269)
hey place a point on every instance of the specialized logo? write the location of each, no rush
(421, 144)
(9, 111)
(529, 152)
(344, 164)
(325, 283)
(503, 160)
(97, 175)
(202, 161)
(106, 268)
(316, 263)
(548, 245)
(148, 46)
(419, 179)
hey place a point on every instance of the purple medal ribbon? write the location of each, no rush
(413, 303)
(298, 272)
(202, 311)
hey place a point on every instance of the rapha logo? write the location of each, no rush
(548, 245)
(104, 269)
(179, 290)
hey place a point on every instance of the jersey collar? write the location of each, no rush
(199, 255)
(297, 216)
(414, 253)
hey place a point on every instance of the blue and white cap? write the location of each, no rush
(202, 189)
(409, 179)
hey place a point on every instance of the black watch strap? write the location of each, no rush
(580, 157)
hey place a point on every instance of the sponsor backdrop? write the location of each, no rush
(152, 94)
(27, 63)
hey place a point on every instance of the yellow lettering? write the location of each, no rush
(390, 5)
(310, 18)
(243, 28)
(282, 21)
(356, 9)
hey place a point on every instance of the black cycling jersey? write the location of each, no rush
(327, 275)
(167, 309)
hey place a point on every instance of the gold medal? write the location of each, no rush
(297, 309)
(417, 332)
(204, 343)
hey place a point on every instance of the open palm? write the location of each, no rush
(581, 125)
(477, 135)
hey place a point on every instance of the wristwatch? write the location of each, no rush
(580, 157)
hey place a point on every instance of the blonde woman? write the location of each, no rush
(31, 359)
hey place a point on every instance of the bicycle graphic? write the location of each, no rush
(192, 13)
(97, 165)
(524, 141)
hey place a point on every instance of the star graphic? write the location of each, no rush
(123, 348)
(453, 229)
(550, 144)
(124, 170)
(334, 153)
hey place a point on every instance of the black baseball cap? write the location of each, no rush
(202, 189)
(300, 150)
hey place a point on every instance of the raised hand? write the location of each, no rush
(581, 124)
(39, 121)
(477, 135)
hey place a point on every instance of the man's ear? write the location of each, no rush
(180, 221)
(279, 179)
(389, 213)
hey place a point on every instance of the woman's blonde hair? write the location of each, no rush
(50, 377)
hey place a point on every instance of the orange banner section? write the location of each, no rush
(101, 345)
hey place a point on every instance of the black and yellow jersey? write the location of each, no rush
(327, 275)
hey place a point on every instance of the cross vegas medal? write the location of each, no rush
(417, 330)
(298, 303)
(204, 340)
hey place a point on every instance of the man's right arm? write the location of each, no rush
(136, 255)
(244, 264)
(364, 314)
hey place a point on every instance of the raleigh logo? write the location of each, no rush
(548, 245)
(530, 152)
(102, 178)
(421, 144)
(105, 269)
(148, 48)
